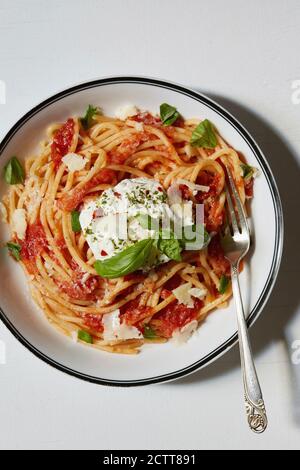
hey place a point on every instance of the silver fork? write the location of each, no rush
(236, 243)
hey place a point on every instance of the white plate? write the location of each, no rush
(156, 363)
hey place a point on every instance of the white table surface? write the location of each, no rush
(245, 55)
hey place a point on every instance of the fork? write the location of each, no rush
(236, 243)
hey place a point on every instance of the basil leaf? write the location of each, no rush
(131, 259)
(84, 336)
(169, 245)
(168, 114)
(248, 170)
(149, 333)
(15, 250)
(204, 135)
(87, 120)
(14, 172)
(76, 227)
(166, 241)
(224, 282)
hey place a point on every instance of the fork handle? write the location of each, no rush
(255, 407)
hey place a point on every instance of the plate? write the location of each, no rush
(156, 363)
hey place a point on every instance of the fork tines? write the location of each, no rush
(239, 224)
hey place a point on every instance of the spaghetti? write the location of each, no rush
(43, 206)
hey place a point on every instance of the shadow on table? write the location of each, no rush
(282, 306)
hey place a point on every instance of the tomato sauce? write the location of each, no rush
(176, 316)
(207, 179)
(70, 202)
(213, 218)
(93, 321)
(127, 148)
(148, 119)
(165, 293)
(249, 183)
(34, 244)
(62, 142)
(77, 289)
(174, 282)
(185, 192)
(133, 314)
(216, 257)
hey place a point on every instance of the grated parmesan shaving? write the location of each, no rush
(182, 335)
(19, 223)
(74, 162)
(193, 186)
(114, 330)
(126, 111)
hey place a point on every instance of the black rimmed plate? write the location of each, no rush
(156, 363)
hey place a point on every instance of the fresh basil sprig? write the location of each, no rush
(171, 244)
(224, 282)
(135, 257)
(204, 135)
(84, 336)
(15, 250)
(149, 333)
(87, 119)
(166, 241)
(248, 171)
(168, 114)
(76, 227)
(14, 172)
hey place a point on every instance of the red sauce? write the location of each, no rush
(249, 187)
(61, 245)
(127, 148)
(34, 244)
(185, 191)
(176, 316)
(77, 289)
(62, 142)
(169, 131)
(165, 293)
(207, 179)
(61, 242)
(105, 176)
(70, 202)
(93, 321)
(212, 217)
(148, 119)
(174, 282)
(133, 314)
(216, 257)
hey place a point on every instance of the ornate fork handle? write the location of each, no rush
(255, 407)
